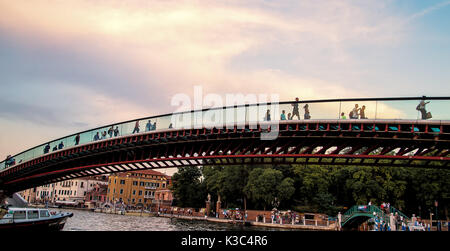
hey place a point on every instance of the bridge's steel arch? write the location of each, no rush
(324, 142)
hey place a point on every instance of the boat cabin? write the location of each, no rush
(17, 214)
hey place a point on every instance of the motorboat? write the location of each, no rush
(23, 218)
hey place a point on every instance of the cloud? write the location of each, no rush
(91, 62)
(170, 46)
(426, 11)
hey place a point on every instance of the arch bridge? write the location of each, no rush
(359, 214)
(389, 132)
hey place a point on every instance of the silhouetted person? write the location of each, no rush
(96, 137)
(110, 131)
(170, 126)
(307, 114)
(116, 131)
(9, 161)
(283, 115)
(154, 126)
(267, 117)
(61, 145)
(77, 139)
(421, 107)
(289, 117)
(47, 148)
(355, 112)
(295, 111)
(136, 127)
(148, 126)
(362, 114)
(343, 116)
(104, 135)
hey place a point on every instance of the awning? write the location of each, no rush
(66, 202)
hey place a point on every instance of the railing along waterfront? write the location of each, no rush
(251, 114)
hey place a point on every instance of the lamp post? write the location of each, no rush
(438, 227)
(431, 220)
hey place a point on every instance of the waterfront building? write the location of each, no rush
(29, 195)
(97, 196)
(136, 188)
(68, 192)
(164, 196)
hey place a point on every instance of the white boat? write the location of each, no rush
(22, 218)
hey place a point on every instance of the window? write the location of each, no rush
(135, 183)
(141, 184)
(134, 192)
(82, 184)
(20, 215)
(122, 182)
(140, 192)
(43, 213)
(33, 214)
(121, 191)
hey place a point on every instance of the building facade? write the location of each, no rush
(70, 192)
(136, 188)
(97, 196)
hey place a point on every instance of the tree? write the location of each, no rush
(314, 187)
(286, 189)
(187, 187)
(228, 182)
(267, 186)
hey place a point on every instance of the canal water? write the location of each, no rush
(90, 221)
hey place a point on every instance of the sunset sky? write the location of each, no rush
(72, 65)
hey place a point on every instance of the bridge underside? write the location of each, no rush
(355, 222)
(298, 142)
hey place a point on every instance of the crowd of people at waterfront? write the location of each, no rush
(236, 214)
(390, 219)
(400, 223)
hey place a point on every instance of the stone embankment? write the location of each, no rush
(310, 226)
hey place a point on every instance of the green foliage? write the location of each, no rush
(228, 182)
(269, 187)
(427, 185)
(315, 188)
(187, 187)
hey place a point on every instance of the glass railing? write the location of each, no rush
(253, 114)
